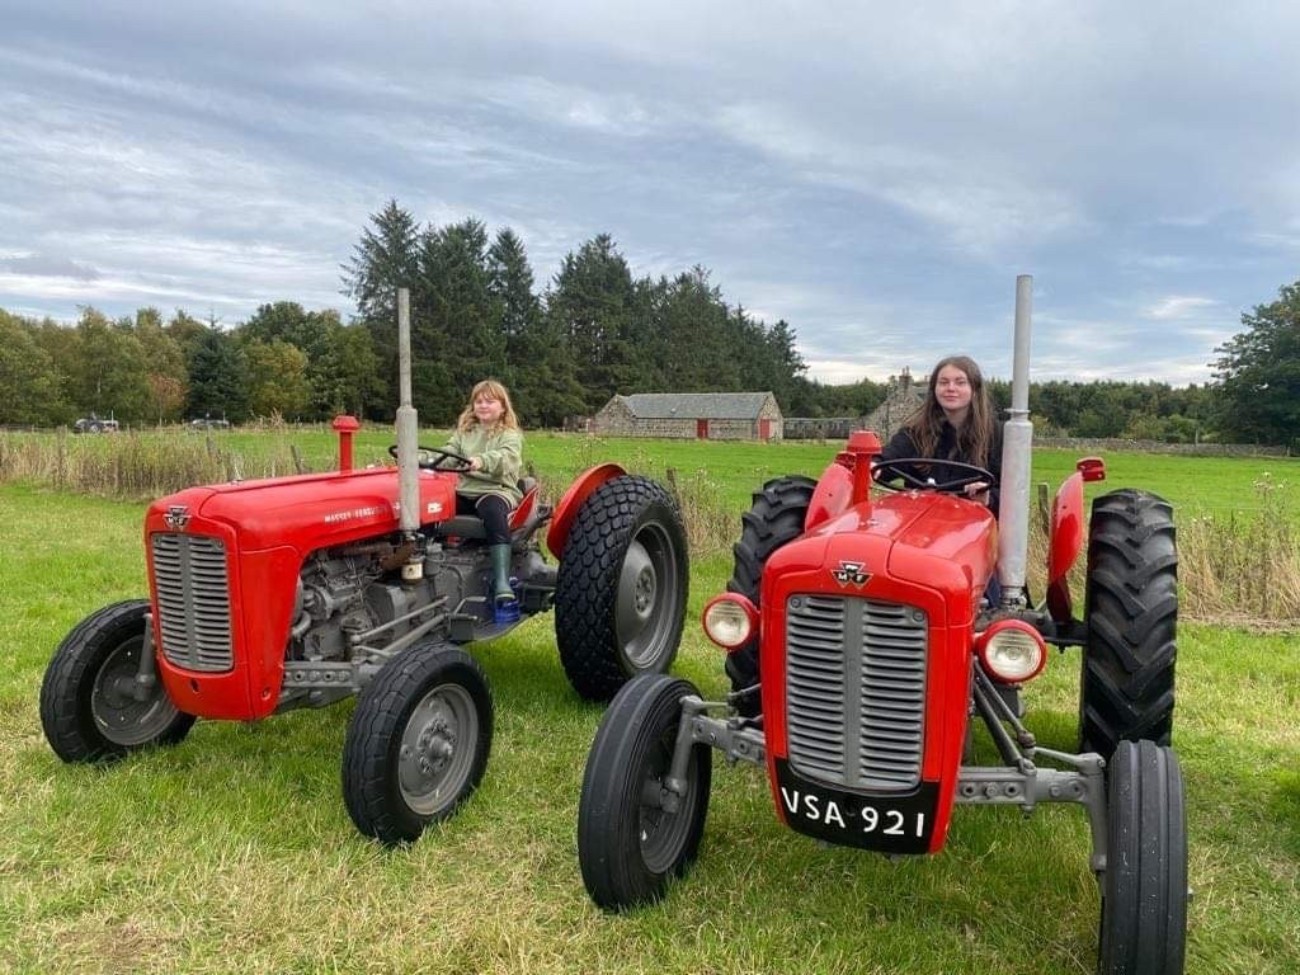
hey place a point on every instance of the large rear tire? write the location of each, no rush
(418, 742)
(1143, 926)
(89, 708)
(775, 518)
(629, 844)
(620, 591)
(1131, 611)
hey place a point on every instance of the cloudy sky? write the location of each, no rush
(876, 174)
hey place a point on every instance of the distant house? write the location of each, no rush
(906, 395)
(903, 398)
(691, 416)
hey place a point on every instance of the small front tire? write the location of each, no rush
(418, 742)
(631, 841)
(1143, 928)
(90, 710)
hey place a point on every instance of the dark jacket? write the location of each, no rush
(902, 445)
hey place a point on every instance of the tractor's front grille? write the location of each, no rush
(193, 601)
(855, 688)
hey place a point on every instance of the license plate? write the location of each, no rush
(901, 823)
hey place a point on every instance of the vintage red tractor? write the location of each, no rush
(859, 624)
(300, 591)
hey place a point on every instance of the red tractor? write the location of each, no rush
(300, 591)
(876, 648)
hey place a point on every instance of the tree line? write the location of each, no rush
(593, 331)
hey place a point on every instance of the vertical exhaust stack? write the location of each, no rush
(408, 438)
(1017, 448)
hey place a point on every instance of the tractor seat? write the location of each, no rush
(470, 527)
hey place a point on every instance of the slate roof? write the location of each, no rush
(699, 406)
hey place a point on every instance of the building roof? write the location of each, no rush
(703, 406)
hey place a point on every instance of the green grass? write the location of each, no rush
(233, 853)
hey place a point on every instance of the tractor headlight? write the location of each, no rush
(1011, 651)
(730, 620)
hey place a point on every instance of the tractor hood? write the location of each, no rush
(910, 539)
(311, 510)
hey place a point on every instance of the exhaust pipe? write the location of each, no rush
(408, 439)
(1017, 456)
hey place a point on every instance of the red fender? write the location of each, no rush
(833, 495)
(567, 510)
(1068, 534)
(523, 510)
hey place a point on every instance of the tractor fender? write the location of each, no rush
(833, 495)
(1068, 535)
(1065, 544)
(567, 510)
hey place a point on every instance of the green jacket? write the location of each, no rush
(502, 455)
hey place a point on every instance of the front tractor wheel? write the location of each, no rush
(1131, 610)
(418, 742)
(620, 592)
(91, 707)
(1144, 889)
(634, 832)
(775, 518)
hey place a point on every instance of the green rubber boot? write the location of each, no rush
(501, 573)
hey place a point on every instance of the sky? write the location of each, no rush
(876, 174)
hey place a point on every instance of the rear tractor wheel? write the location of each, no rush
(1131, 612)
(775, 518)
(620, 591)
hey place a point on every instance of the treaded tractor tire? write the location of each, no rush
(629, 845)
(1131, 612)
(88, 709)
(418, 742)
(620, 591)
(775, 518)
(1143, 926)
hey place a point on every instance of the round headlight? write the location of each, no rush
(730, 620)
(1012, 651)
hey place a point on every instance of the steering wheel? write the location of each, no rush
(898, 468)
(435, 458)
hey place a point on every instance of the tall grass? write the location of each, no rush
(1239, 557)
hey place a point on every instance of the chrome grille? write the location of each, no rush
(855, 689)
(193, 601)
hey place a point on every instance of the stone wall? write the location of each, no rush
(1084, 446)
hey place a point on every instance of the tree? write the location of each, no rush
(277, 378)
(458, 340)
(164, 362)
(590, 307)
(539, 368)
(218, 377)
(1258, 373)
(386, 258)
(108, 373)
(30, 390)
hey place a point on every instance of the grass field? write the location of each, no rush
(232, 852)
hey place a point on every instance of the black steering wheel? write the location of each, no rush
(898, 468)
(436, 459)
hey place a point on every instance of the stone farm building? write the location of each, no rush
(691, 416)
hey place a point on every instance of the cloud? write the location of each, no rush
(874, 175)
(1175, 307)
(46, 266)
